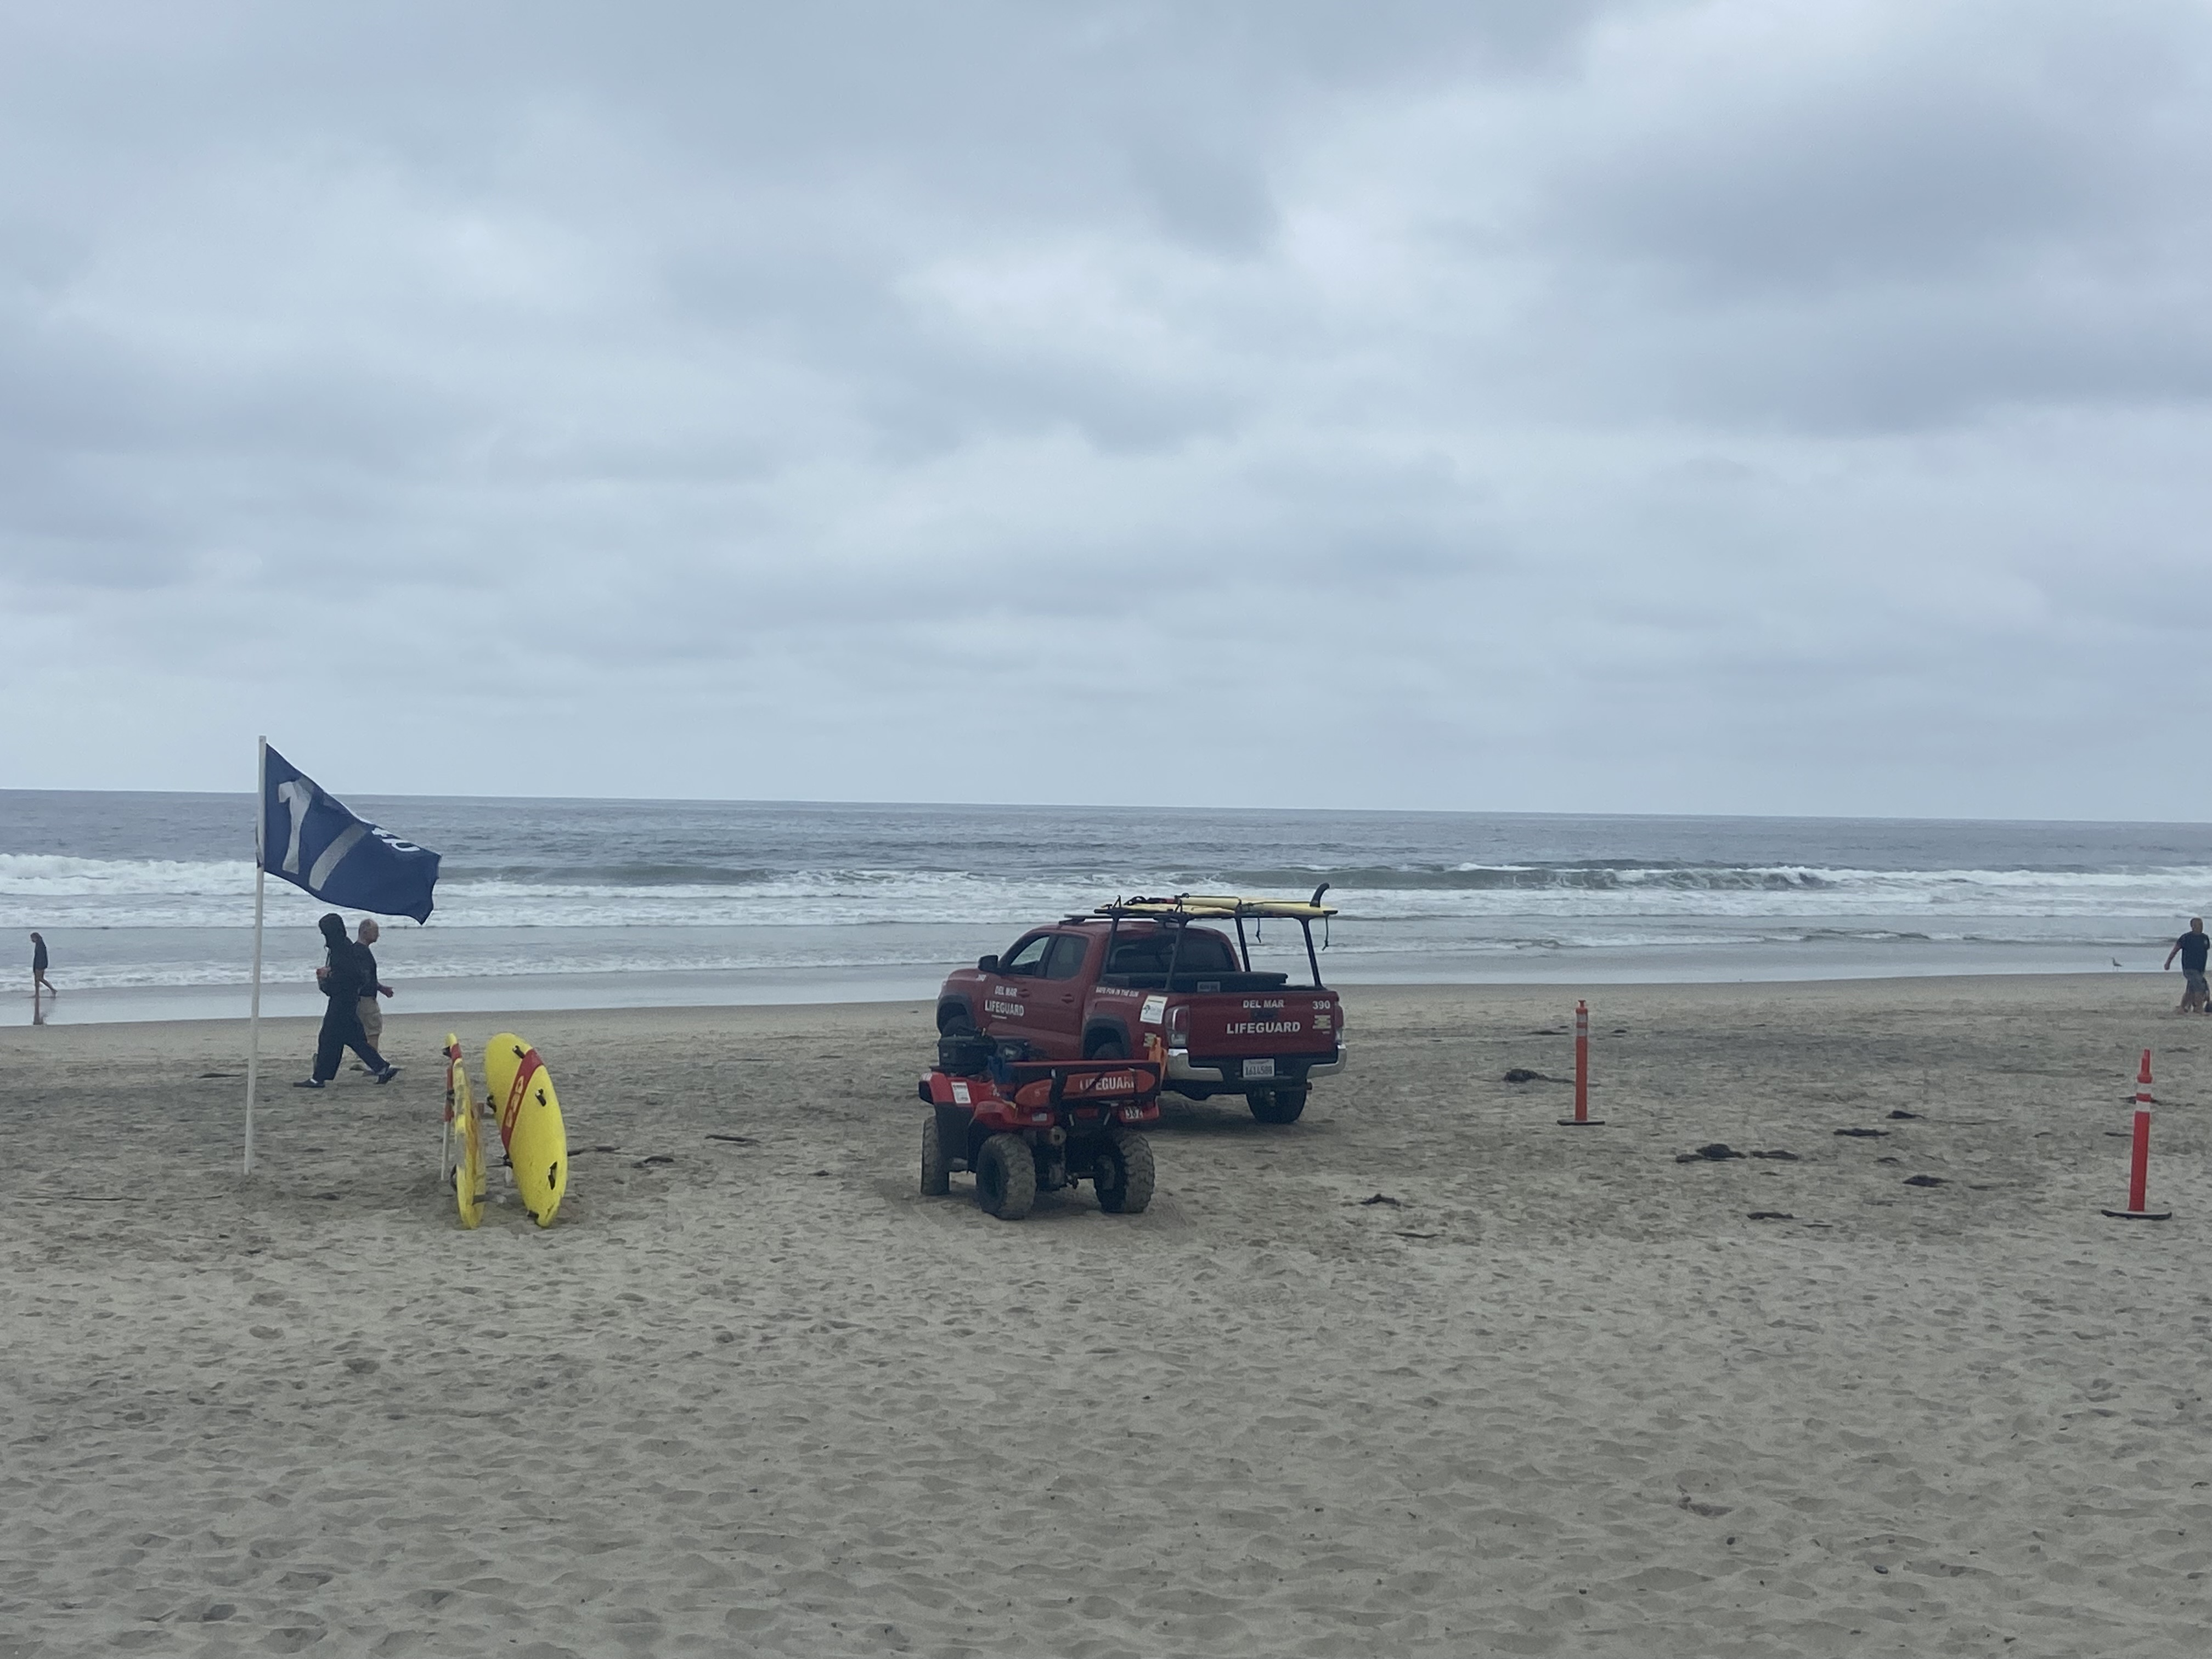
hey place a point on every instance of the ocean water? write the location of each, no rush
(147, 899)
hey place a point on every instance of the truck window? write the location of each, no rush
(1203, 952)
(1027, 957)
(1065, 959)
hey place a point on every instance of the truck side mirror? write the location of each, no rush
(986, 964)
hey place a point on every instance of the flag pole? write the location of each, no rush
(260, 884)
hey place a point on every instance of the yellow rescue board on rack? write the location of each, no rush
(519, 1089)
(1218, 907)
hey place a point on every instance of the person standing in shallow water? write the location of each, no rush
(345, 979)
(39, 980)
(2193, 947)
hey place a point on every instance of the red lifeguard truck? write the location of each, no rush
(1168, 980)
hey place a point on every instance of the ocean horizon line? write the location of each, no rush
(246, 796)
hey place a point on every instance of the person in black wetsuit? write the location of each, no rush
(39, 967)
(344, 981)
(2193, 947)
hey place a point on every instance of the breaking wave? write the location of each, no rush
(54, 891)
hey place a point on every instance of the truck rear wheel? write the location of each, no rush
(936, 1164)
(1005, 1177)
(1277, 1105)
(1106, 1046)
(1123, 1173)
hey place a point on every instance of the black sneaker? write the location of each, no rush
(308, 1083)
(386, 1074)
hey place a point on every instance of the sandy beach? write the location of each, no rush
(1552, 1391)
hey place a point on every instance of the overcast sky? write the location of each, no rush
(1647, 407)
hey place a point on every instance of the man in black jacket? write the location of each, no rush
(344, 980)
(2193, 947)
(371, 1013)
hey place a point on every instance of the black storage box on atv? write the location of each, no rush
(965, 1054)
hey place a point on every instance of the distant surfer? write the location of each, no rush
(2191, 947)
(372, 1013)
(39, 979)
(345, 979)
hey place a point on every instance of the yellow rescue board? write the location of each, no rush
(461, 1125)
(520, 1090)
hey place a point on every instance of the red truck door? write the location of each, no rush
(1057, 999)
(1008, 994)
(1037, 995)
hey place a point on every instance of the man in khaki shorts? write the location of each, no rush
(372, 1016)
(2193, 947)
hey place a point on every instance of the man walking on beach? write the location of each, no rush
(39, 968)
(372, 1014)
(2193, 948)
(343, 980)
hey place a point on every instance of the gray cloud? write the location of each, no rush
(1659, 406)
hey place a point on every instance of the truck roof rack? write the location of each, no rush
(1193, 906)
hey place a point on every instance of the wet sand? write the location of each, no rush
(1559, 1394)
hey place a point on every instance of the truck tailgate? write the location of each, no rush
(1268, 1023)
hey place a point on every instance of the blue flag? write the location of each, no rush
(310, 840)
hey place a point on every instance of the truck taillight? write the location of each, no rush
(1179, 1026)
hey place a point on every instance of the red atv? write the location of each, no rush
(1031, 1126)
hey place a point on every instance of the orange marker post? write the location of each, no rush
(2139, 1156)
(1581, 1119)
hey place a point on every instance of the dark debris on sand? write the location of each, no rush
(1713, 1152)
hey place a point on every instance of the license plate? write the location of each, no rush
(1254, 1068)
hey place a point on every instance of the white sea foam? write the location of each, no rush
(51, 875)
(46, 889)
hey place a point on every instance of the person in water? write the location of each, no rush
(345, 979)
(39, 968)
(2193, 947)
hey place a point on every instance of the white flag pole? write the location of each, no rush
(260, 883)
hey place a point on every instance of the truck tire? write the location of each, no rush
(1123, 1173)
(1107, 1045)
(1277, 1105)
(936, 1167)
(1005, 1177)
(953, 1019)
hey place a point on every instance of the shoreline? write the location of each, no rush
(845, 986)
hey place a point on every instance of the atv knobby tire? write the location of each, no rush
(1277, 1105)
(936, 1166)
(1123, 1173)
(1005, 1177)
